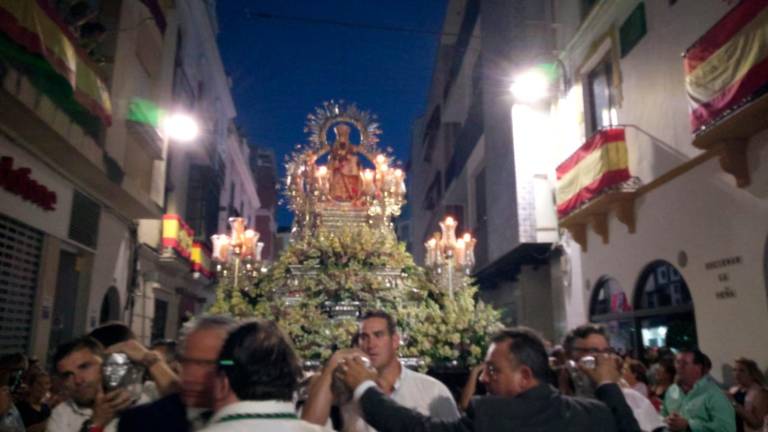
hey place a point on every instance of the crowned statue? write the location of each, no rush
(344, 167)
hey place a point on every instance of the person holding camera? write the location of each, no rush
(378, 341)
(520, 397)
(95, 401)
(585, 342)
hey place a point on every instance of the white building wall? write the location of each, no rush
(700, 213)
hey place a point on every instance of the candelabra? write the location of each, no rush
(448, 256)
(241, 251)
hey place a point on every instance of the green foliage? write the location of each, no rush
(369, 266)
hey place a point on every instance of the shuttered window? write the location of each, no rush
(20, 249)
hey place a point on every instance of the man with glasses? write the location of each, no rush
(189, 410)
(515, 374)
(257, 375)
(592, 340)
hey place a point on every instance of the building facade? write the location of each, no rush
(464, 163)
(598, 200)
(77, 171)
(264, 169)
(672, 251)
(208, 181)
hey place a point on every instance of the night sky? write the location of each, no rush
(282, 68)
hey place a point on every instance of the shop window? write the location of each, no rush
(608, 297)
(662, 286)
(664, 308)
(610, 307)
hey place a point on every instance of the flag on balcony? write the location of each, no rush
(30, 30)
(728, 66)
(600, 163)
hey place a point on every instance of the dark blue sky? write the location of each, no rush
(282, 69)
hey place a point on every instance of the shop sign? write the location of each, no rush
(725, 291)
(177, 235)
(19, 181)
(201, 260)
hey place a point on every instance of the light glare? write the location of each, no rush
(180, 127)
(530, 86)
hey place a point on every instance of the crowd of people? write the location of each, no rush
(229, 376)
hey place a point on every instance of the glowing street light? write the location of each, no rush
(530, 86)
(180, 127)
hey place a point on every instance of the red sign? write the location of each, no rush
(18, 182)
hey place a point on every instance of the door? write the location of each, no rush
(64, 306)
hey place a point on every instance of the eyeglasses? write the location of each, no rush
(608, 350)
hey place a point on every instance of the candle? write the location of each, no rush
(431, 252)
(459, 253)
(448, 228)
(220, 247)
(251, 237)
(238, 231)
(470, 250)
(259, 248)
(368, 187)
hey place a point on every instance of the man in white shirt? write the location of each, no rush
(379, 342)
(89, 408)
(258, 373)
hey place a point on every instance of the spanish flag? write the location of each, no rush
(598, 164)
(728, 66)
(32, 36)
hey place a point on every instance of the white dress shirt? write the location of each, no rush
(413, 390)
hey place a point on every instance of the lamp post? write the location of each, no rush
(241, 248)
(448, 256)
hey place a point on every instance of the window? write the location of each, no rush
(600, 105)
(84, 221)
(203, 191)
(632, 30)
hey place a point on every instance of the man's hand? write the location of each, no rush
(353, 372)
(108, 406)
(676, 422)
(606, 369)
(340, 356)
(132, 348)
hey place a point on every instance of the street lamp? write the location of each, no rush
(530, 86)
(180, 127)
(447, 255)
(242, 249)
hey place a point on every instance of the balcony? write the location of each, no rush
(727, 84)
(594, 182)
(53, 98)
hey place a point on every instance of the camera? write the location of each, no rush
(118, 372)
(588, 362)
